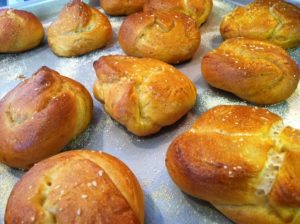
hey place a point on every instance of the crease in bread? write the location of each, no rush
(78, 30)
(244, 161)
(276, 21)
(256, 71)
(143, 94)
(199, 10)
(40, 116)
(79, 186)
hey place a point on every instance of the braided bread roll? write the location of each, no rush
(256, 71)
(244, 161)
(40, 116)
(171, 37)
(78, 30)
(121, 7)
(141, 93)
(19, 31)
(271, 20)
(82, 187)
(199, 10)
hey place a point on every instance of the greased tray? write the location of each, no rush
(164, 202)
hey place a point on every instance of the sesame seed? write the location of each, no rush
(32, 218)
(30, 187)
(94, 183)
(78, 212)
(84, 196)
(100, 173)
(89, 184)
(62, 192)
(56, 187)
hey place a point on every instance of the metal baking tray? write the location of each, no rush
(164, 202)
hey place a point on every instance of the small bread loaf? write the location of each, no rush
(121, 7)
(271, 20)
(82, 187)
(168, 36)
(256, 71)
(141, 93)
(242, 160)
(40, 116)
(19, 31)
(78, 30)
(199, 10)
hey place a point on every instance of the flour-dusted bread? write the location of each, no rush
(199, 10)
(121, 7)
(78, 30)
(143, 94)
(171, 37)
(244, 161)
(256, 71)
(272, 20)
(19, 31)
(40, 116)
(82, 187)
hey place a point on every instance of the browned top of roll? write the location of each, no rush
(78, 30)
(79, 186)
(141, 93)
(121, 7)
(40, 116)
(272, 20)
(256, 71)
(244, 161)
(19, 31)
(168, 36)
(199, 10)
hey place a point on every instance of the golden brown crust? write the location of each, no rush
(199, 10)
(155, 35)
(239, 159)
(272, 20)
(141, 93)
(256, 71)
(79, 186)
(78, 30)
(40, 116)
(121, 7)
(19, 31)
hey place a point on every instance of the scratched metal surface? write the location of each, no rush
(164, 202)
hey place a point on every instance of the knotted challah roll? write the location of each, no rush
(79, 29)
(199, 10)
(271, 20)
(19, 31)
(171, 37)
(40, 116)
(244, 161)
(141, 93)
(256, 71)
(82, 187)
(121, 7)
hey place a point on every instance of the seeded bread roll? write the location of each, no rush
(78, 30)
(40, 116)
(168, 36)
(19, 31)
(143, 94)
(121, 7)
(271, 20)
(243, 161)
(199, 10)
(82, 186)
(256, 71)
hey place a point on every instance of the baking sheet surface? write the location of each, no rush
(164, 202)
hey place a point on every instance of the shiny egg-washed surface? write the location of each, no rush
(164, 202)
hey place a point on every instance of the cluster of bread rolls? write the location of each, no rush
(241, 159)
